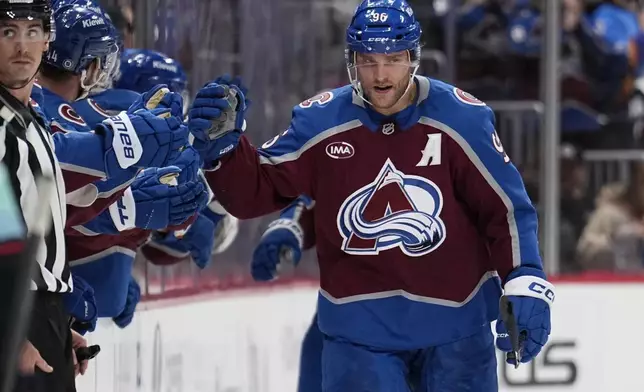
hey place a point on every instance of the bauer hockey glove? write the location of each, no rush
(216, 119)
(133, 297)
(530, 296)
(81, 306)
(159, 97)
(153, 203)
(281, 242)
(142, 140)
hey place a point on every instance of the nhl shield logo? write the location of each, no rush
(394, 211)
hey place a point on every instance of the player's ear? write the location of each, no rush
(46, 47)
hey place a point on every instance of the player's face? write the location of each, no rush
(22, 43)
(384, 78)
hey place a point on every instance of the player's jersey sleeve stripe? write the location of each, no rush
(476, 161)
(273, 156)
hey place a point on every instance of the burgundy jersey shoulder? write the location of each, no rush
(313, 119)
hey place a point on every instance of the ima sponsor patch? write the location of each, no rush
(467, 97)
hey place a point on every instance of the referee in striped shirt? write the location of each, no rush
(47, 360)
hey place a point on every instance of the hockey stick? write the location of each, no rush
(516, 338)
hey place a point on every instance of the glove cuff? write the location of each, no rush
(123, 211)
(125, 142)
(531, 286)
(289, 225)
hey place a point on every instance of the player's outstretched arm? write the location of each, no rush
(248, 182)
(283, 240)
(151, 203)
(492, 188)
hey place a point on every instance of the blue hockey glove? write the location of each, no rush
(159, 204)
(216, 119)
(133, 297)
(81, 306)
(142, 140)
(281, 242)
(189, 163)
(159, 97)
(197, 241)
(531, 297)
(226, 226)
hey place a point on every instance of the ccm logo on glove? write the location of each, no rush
(531, 286)
(127, 145)
(541, 289)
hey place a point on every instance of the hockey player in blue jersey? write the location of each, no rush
(73, 64)
(142, 69)
(421, 219)
(138, 71)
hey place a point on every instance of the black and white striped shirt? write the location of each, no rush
(27, 149)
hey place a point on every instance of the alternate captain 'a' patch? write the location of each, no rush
(394, 211)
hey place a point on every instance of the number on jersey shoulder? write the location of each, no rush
(319, 99)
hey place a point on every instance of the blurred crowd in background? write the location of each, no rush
(288, 50)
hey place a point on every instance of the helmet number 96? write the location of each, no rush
(377, 16)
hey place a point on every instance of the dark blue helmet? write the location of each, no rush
(142, 69)
(83, 37)
(383, 26)
(89, 4)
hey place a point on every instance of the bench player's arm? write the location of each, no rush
(251, 182)
(491, 186)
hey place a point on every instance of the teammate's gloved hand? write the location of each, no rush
(159, 205)
(133, 297)
(142, 140)
(531, 297)
(216, 119)
(81, 306)
(226, 226)
(189, 162)
(281, 242)
(159, 97)
(197, 241)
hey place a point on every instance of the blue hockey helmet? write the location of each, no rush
(142, 69)
(89, 4)
(383, 26)
(84, 36)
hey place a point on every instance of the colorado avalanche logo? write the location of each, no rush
(69, 114)
(97, 108)
(395, 210)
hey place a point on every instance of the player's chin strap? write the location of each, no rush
(100, 80)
